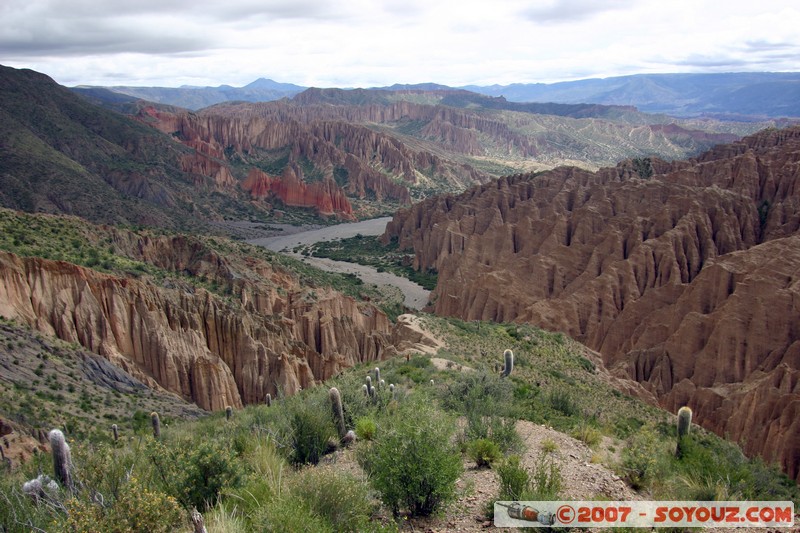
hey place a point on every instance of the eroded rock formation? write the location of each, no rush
(265, 334)
(684, 275)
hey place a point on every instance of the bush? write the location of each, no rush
(195, 473)
(339, 498)
(290, 515)
(546, 480)
(137, 510)
(562, 401)
(365, 428)
(412, 463)
(514, 479)
(640, 458)
(311, 430)
(549, 446)
(590, 435)
(484, 452)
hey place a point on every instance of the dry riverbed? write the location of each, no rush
(415, 297)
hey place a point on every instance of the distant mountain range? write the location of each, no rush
(738, 95)
(189, 97)
(763, 94)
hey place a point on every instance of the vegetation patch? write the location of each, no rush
(369, 251)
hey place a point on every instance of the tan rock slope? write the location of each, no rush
(265, 333)
(684, 275)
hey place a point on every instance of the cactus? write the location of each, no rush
(338, 412)
(156, 421)
(508, 367)
(365, 389)
(684, 421)
(391, 389)
(371, 391)
(431, 383)
(382, 384)
(62, 460)
(684, 425)
(228, 412)
(115, 432)
(349, 437)
(369, 381)
(378, 376)
(268, 401)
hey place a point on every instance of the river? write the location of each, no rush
(415, 297)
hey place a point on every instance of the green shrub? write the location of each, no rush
(588, 434)
(209, 469)
(412, 463)
(290, 515)
(311, 430)
(195, 472)
(339, 498)
(137, 510)
(546, 480)
(562, 401)
(549, 446)
(365, 428)
(640, 458)
(484, 452)
(514, 479)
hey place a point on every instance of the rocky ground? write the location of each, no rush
(583, 479)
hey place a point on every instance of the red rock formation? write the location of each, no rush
(325, 196)
(686, 282)
(327, 145)
(270, 334)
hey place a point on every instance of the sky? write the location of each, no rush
(365, 43)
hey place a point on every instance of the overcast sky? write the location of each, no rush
(365, 43)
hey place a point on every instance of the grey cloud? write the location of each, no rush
(81, 27)
(766, 46)
(572, 10)
(83, 39)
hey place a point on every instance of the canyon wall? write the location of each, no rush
(265, 333)
(684, 275)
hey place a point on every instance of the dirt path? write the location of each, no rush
(415, 297)
(582, 480)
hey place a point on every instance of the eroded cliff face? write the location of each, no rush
(687, 281)
(266, 334)
(361, 158)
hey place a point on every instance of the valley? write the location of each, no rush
(543, 285)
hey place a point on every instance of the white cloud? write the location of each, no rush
(364, 43)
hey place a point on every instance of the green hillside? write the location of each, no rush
(59, 153)
(281, 467)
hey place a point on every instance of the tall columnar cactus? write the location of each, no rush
(62, 460)
(684, 426)
(115, 432)
(365, 389)
(338, 412)
(378, 376)
(268, 401)
(508, 367)
(228, 412)
(391, 390)
(684, 421)
(156, 421)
